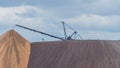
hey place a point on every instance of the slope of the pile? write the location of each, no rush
(14, 50)
(75, 54)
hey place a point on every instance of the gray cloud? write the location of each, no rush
(83, 15)
(67, 8)
(96, 22)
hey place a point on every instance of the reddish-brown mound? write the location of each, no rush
(75, 54)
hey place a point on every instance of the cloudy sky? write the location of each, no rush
(93, 19)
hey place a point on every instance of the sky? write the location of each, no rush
(92, 19)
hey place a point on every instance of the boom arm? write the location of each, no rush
(39, 32)
(64, 30)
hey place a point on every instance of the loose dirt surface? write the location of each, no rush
(14, 50)
(75, 54)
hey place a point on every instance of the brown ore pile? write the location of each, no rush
(14, 50)
(75, 54)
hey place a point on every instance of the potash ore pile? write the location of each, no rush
(17, 52)
(14, 50)
(75, 54)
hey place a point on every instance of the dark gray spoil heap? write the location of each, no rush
(75, 54)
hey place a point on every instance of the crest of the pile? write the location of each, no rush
(14, 50)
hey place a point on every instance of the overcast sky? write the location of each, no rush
(93, 19)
